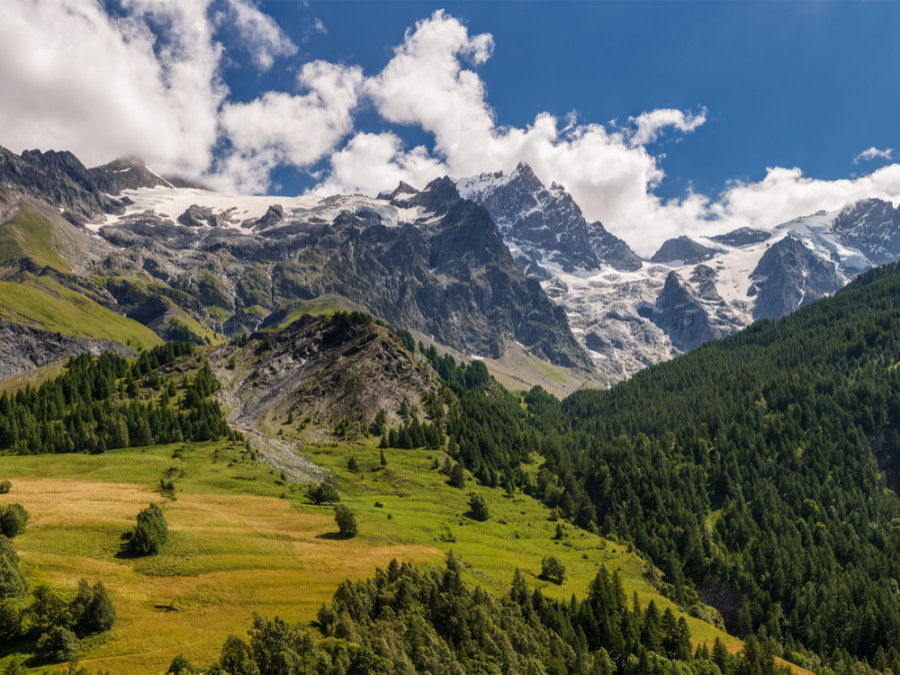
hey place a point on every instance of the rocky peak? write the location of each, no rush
(788, 276)
(683, 249)
(743, 236)
(524, 174)
(402, 189)
(681, 315)
(126, 173)
(545, 225)
(437, 197)
(873, 227)
(59, 179)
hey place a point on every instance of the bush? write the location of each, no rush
(5, 486)
(553, 570)
(59, 644)
(478, 508)
(322, 493)
(150, 533)
(92, 610)
(345, 520)
(11, 614)
(12, 582)
(12, 520)
(180, 666)
(457, 476)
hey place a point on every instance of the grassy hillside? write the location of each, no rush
(30, 235)
(44, 303)
(243, 542)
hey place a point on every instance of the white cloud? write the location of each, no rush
(148, 82)
(648, 125)
(284, 129)
(265, 37)
(608, 170)
(873, 153)
(75, 78)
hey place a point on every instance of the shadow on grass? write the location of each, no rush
(332, 536)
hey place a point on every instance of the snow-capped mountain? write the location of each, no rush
(190, 263)
(630, 313)
(543, 225)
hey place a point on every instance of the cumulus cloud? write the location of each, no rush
(607, 169)
(873, 153)
(648, 125)
(75, 78)
(284, 129)
(265, 37)
(148, 81)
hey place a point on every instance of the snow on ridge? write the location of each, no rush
(170, 203)
(472, 187)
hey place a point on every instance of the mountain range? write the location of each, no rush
(478, 265)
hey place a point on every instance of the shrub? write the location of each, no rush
(11, 614)
(346, 521)
(180, 666)
(92, 610)
(457, 476)
(322, 493)
(150, 533)
(553, 570)
(12, 520)
(5, 486)
(478, 508)
(59, 644)
(12, 583)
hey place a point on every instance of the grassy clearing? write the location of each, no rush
(236, 547)
(242, 541)
(34, 377)
(50, 306)
(31, 235)
(325, 305)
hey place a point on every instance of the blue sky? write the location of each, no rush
(659, 117)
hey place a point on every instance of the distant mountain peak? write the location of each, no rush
(544, 226)
(683, 249)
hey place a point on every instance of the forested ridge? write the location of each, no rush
(408, 620)
(110, 402)
(755, 472)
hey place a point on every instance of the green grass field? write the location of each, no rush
(46, 304)
(31, 235)
(242, 542)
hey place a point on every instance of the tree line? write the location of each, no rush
(410, 620)
(106, 403)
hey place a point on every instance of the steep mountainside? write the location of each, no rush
(190, 263)
(323, 376)
(545, 226)
(630, 314)
(760, 472)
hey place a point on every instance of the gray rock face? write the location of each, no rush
(324, 370)
(789, 276)
(448, 274)
(681, 315)
(546, 225)
(873, 227)
(61, 180)
(683, 249)
(23, 348)
(743, 236)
